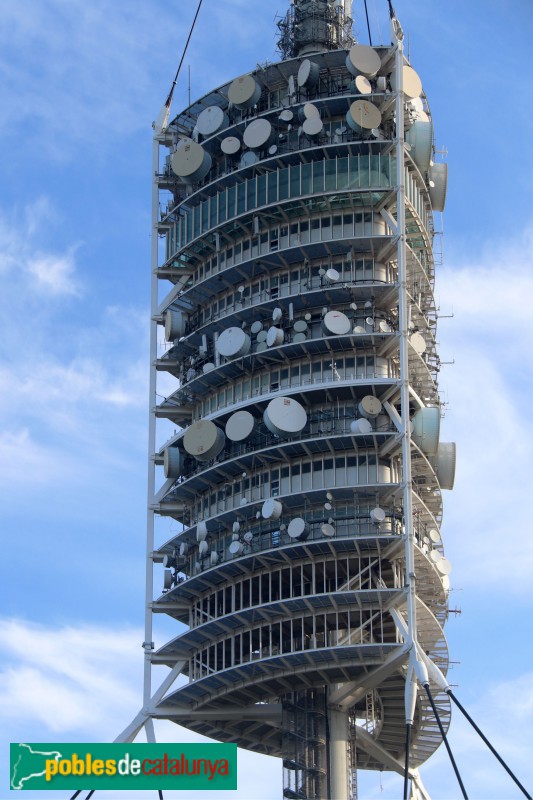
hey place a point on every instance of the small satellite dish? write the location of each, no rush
(384, 327)
(184, 549)
(277, 315)
(446, 583)
(201, 532)
(443, 566)
(328, 506)
(230, 145)
(370, 407)
(308, 74)
(418, 343)
(275, 337)
(203, 547)
(233, 343)
(434, 535)
(284, 415)
(240, 426)
(236, 548)
(377, 515)
(204, 440)
(248, 537)
(332, 276)
(327, 530)
(244, 92)
(360, 426)
(167, 579)
(300, 326)
(236, 527)
(298, 529)
(308, 317)
(256, 327)
(259, 134)
(286, 115)
(363, 60)
(213, 558)
(211, 120)
(190, 161)
(359, 329)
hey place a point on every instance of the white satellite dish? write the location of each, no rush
(240, 426)
(236, 548)
(298, 529)
(275, 337)
(190, 161)
(233, 343)
(418, 343)
(211, 120)
(361, 426)
(370, 407)
(244, 92)
(336, 323)
(363, 60)
(327, 530)
(230, 145)
(284, 415)
(204, 440)
(201, 532)
(271, 509)
(259, 134)
(377, 515)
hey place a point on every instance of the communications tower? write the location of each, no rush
(295, 287)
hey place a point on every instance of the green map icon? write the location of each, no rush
(28, 763)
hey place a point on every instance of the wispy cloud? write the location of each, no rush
(489, 388)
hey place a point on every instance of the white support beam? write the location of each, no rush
(373, 748)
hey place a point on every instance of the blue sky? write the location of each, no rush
(81, 83)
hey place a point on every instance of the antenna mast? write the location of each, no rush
(311, 26)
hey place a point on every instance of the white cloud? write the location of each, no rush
(23, 261)
(54, 273)
(489, 388)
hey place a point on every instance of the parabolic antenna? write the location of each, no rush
(244, 92)
(370, 407)
(444, 464)
(204, 440)
(286, 115)
(173, 462)
(300, 326)
(377, 515)
(363, 116)
(271, 509)
(284, 415)
(298, 528)
(360, 426)
(426, 429)
(313, 126)
(233, 343)
(336, 323)
(363, 60)
(230, 145)
(362, 85)
(412, 85)
(274, 337)
(239, 426)
(256, 327)
(236, 548)
(190, 161)
(211, 120)
(308, 74)
(327, 530)
(434, 536)
(259, 134)
(443, 566)
(175, 322)
(438, 176)
(418, 343)
(420, 138)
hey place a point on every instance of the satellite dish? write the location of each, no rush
(277, 315)
(308, 111)
(239, 426)
(262, 336)
(256, 327)
(363, 60)
(362, 85)
(426, 429)
(438, 175)
(377, 515)
(259, 134)
(236, 548)
(248, 537)
(175, 325)
(271, 509)
(328, 506)
(313, 127)
(384, 327)
(420, 138)
(412, 85)
(286, 115)
(418, 343)
(353, 306)
(213, 558)
(308, 74)
(184, 549)
(211, 120)
(298, 529)
(261, 346)
(204, 440)
(167, 579)
(327, 530)
(283, 416)
(363, 116)
(233, 343)
(300, 326)
(236, 527)
(249, 159)
(208, 367)
(275, 337)
(169, 561)
(434, 535)
(336, 323)
(370, 407)
(203, 547)
(361, 426)
(444, 464)
(443, 566)
(329, 496)
(230, 145)
(244, 92)
(308, 317)
(435, 556)
(446, 583)
(332, 276)
(201, 532)
(173, 462)
(190, 161)
(359, 329)
(299, 337)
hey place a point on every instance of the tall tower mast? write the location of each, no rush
(295, 284)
